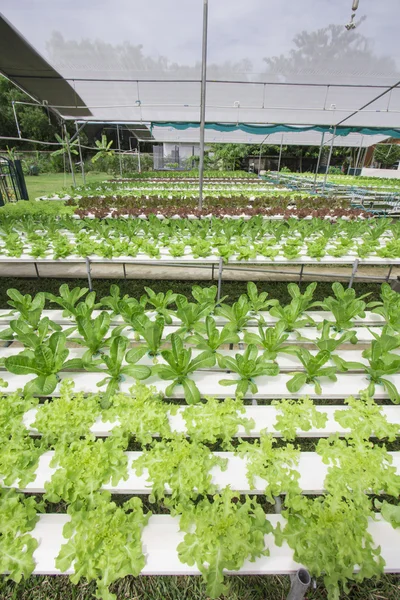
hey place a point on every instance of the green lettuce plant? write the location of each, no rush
(248, 366)
(104, 542)
(45, 362)
(115, 369)
(220, 535)
(180, 365)
(313, 370)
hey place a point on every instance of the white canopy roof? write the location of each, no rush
(268, 62)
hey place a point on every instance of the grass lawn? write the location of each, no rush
(49, 183)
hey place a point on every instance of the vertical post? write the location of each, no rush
(280, 155)
(119, 152)
(300, 582)
(389, 273)
(16, 119)
(69, 156)
(259, 160)
(353, 272)
(358, 154)
(363, 158)
(80, 154)
(203, 100)
(319, 160)
(138, 150)
(329, 159)
(89, 274)
(219, 279)
(301, 274)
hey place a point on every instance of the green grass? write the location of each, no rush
(190, 588)
(49, 183)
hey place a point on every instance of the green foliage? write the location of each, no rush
(365, 419)
(344, 306)
(272, 339)
(222, 534)
(178, 467)
(276, 465)
(45, 362)
(180, 366)
(313, 370)
(294, 415)
(18, 516)
(216, 421)
(84, 465)
(141, 414)
(104, 148)
(248, 366)
(208, 337)
(316, 529)
(104, 542)
(114, 368)
(63, 419)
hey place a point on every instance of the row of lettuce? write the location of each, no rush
(221, 529)
(106, 339)
(241, 239)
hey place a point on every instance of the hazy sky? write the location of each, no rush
(250, 29)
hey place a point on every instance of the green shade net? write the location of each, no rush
(268, 129)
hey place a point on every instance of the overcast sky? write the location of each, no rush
(250, 29)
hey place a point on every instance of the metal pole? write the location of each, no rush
(138, 150)
(80, 154)
(329, 159)
(16, 119)
(89, 274)
(353, 272)
(300, 582)
(358, 154)
(119, 152)
(219, 278)
(69, 156)
(203, 100)
(319, 160)
(280, 155)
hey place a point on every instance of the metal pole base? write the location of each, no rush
(219, 279)
(300, 584)
(89, 274)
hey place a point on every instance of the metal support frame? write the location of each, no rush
(124, 268)
(353, 272)
(80, 153)
(329, 159)
(16, 119)
(37, 270)
(138, 153)
(280, 154)
(318, 161)
(119, 152)
(300, 582)
(389, 273)
(69, 155)
(89, 273)
(203, 100)
(259, 157)
(220, 266)
(301, 273)
(358, 155)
